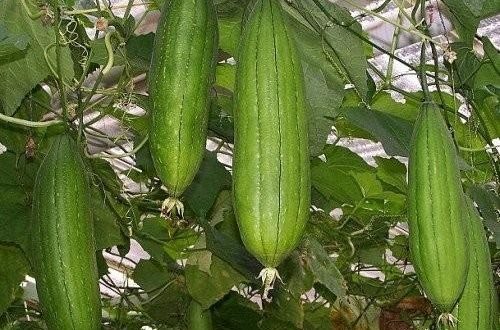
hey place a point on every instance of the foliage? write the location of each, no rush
(352, 268)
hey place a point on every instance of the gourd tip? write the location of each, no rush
(268, 276)
(447, 320)
(170, 205)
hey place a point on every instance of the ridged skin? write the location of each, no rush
(180, 81)
(199, 319)
(478, 305)
(271, 159)
(63, 243)
(437, 240)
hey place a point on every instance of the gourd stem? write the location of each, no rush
(423, 76)
(29, 123)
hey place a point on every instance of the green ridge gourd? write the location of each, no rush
(271, 179)
(180, 82)
(63, 243)
(437, 241)
(199, 319)
(478, 305)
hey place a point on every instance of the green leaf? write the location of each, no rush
(492, 53)
(151, 276)
(489, 204)
(297, 278)
(490, 8)
(222, 216)
(12, 47)
(317, 317)
(475, 6)
(14, 269)
(323, 86)
(106, 229)
(144, 161)
(230, 15)
(324, 103)
(489, 73)
(139, 51)
(323, 268)
(354, 310)
(178, 243)
(16, 183)
(285, 307)
(15, 80)
(347, 181)
(337, 33)
(344, 159)
(220, 121)
(167, 297)
(208, 288)
(372, 255)
(100, 53)
(394, 133)
(226, 75)
(400, 248)
(211, 178)
(465, 66)
(156, 233)
(68, 3)
(392, 172)
(334, 179)
(489, 108)
(335, 184)
(247, 313)
(464, 20)
(231, 251)
(383, 102)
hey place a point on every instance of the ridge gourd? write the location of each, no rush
(437, 241)
(180, 82)
(271, 180)
(63, 243)
(478, 305)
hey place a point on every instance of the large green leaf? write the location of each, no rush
(317, 316)
(394, 133)
(15, 80)
(230, 15)
(347, 181)
(323, 268)
(210, 180)
(337, 35)
(107, 231)
(236, 312)
(13, 270)
(207, 286)
(286, 308)
(489, 204)
(323, 85)
(12, 47)
(333, 178)
(392, 173)
(16, 183)
(464, 19)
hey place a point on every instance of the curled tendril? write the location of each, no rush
(70, 37)
(46, 50)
